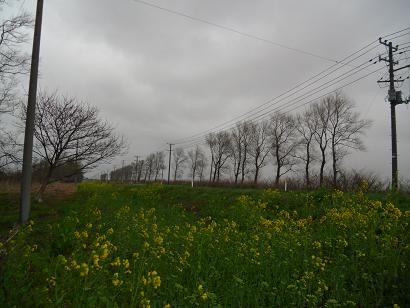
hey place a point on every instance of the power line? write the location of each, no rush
(266, 115)
(306, 94)
(248, 35)
(302, 83)
(272, 102)
(309, 81)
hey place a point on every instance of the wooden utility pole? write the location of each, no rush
(169, 161)
(395, 98)
(25, 193)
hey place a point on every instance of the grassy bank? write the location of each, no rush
(173, 245)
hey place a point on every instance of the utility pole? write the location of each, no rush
(30, 115)
(169, 161)
(395, 98)
(136, 167)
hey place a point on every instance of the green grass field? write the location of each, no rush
(177, 246)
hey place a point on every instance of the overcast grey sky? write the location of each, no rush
(161, 77)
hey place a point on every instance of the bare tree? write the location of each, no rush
(219, 144)
(159, 164)
(179, 158)
(139, 167)
(9, 149)
(236, 151)
(196, 159)
(240, 138)
(211, 142)
(13, 62)
(202, 163)
(345, 128)
(123, 174)
(283, 141)
(247, 135)
(68, 131)
(149, 166)
(307, 128)
(259, 147)
(321, 115)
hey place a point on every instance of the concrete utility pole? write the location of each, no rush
(395, 98)
(30, 115)
(169, 161)
(136, 168)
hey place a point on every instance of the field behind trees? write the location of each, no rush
(154, 245)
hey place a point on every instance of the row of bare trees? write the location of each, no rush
(327, 130)
(152, 168)
(310, 143)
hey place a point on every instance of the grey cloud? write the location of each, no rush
(162, 77)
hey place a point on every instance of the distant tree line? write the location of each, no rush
(308, 145)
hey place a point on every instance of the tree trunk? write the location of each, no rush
(243, 163)
(307, 166)
(44, 183)
(255, 179)
(322, 168)
(334, 164)
(193, 174)
(277, 176)
(215, 172)
(307, 175)
(236, 177)
(278, 163)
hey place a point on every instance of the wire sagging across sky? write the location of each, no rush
(255, 112)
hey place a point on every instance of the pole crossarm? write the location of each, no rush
(387, 44)
(396, 80)
(400, 68)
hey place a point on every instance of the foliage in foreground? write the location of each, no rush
(130, 246)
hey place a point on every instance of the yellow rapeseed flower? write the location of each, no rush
(84, 269)
(51, 281)
(159, 240)
(126, 263)
(104, 254)
(116, 281)
(316, 244)
(156, 282)
(117, 262)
